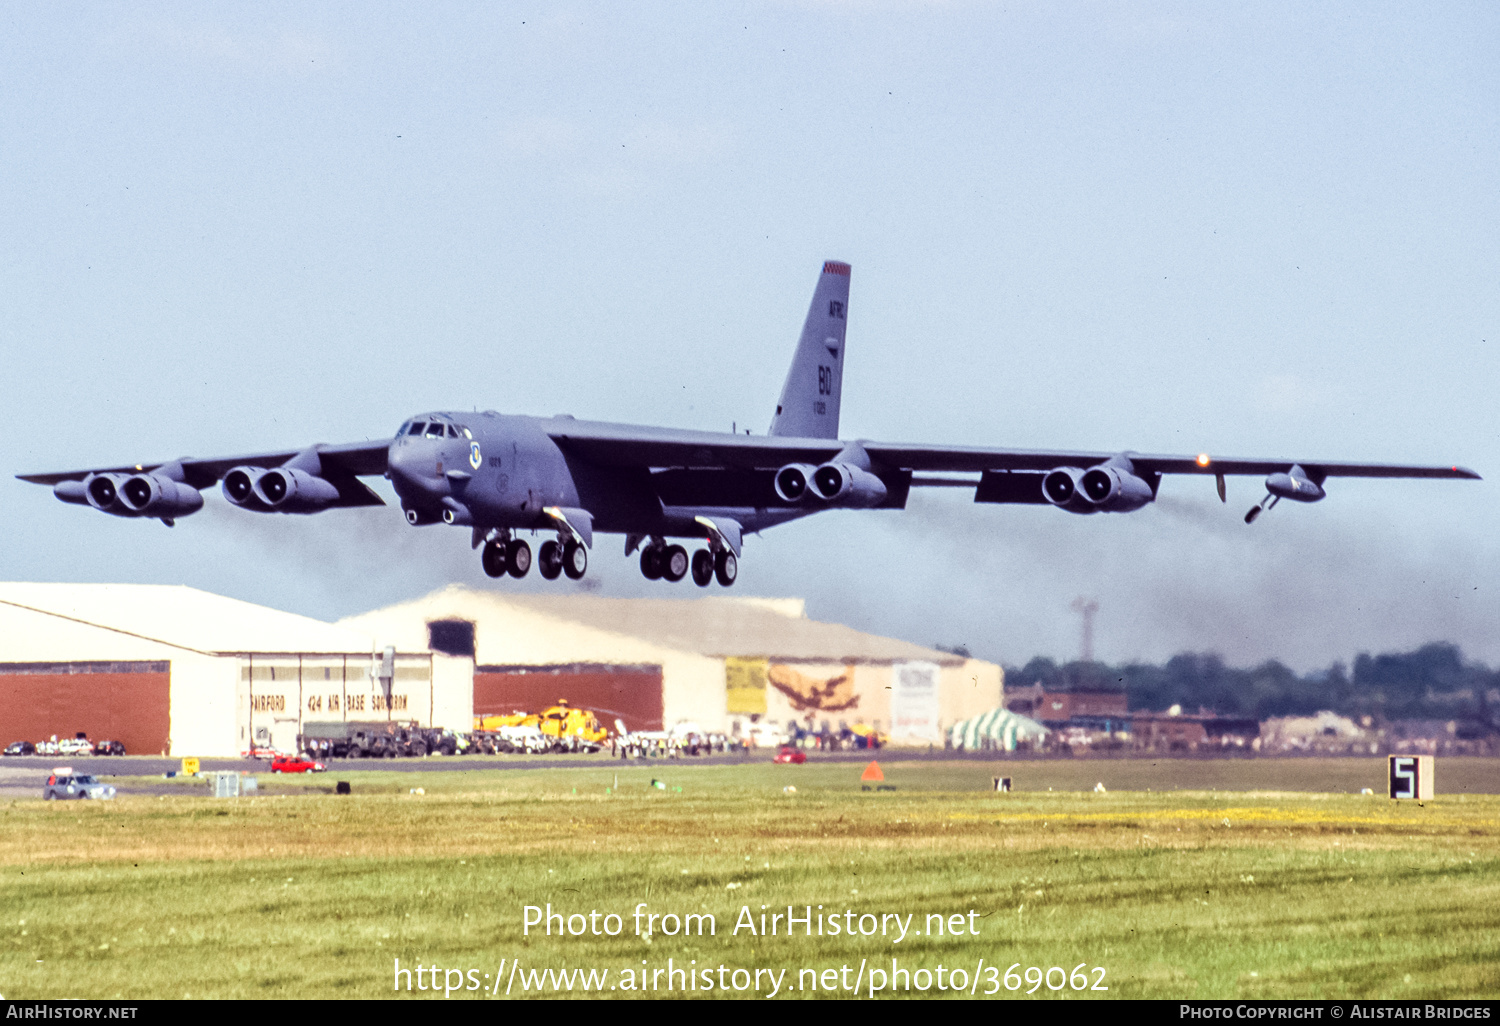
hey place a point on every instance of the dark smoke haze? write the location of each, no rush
(1307, 586)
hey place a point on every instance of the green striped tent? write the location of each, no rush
(1000, 726)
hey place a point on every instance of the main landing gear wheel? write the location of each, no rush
(493, 558)
(575, 560)
(703, 568)
(519, 558)
(651, 563)
(726, 567)
(674, 563)
(550, 560)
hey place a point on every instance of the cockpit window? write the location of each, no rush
(417, 427)
(435, 430)
(452, 431)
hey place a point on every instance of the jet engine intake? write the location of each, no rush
(1063, 488)
(1113, 490)
(239, 488)
(294, 491)
(791, 482)
(155, 495)
(850, 486)
(103, 493)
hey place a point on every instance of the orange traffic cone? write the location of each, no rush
(872, 772)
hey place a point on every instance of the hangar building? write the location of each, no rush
(718, 662)
(174, 670)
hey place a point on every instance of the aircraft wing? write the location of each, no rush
(973, 460)
(627, 446)
(342, 463)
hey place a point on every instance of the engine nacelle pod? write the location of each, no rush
(792, 482)
(156, 495)
(239, 488)
(1063, 488)
(102, 491)
(1295, 485)
(71, 491)
(294, 491)
(850, 486)
(1112, 490)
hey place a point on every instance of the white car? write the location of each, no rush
(75, 746)
(64, 783)
(767, 735)
(527, 739)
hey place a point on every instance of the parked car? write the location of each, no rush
(109, 748)
(67, 784)
(791, 755)
(261, 752)
(292, 764)
(75, 746)
(20, 748)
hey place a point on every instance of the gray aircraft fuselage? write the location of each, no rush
(504, 470)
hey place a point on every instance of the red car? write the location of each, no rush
(292, 764)
(792, 755)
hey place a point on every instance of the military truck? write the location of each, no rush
(375, 739)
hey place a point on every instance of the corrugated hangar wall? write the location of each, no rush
(126, 702)
(632, 692)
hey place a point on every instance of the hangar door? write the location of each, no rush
(278, 693)
(630, 692)
(125, 702)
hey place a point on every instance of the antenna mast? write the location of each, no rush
(1087, 607)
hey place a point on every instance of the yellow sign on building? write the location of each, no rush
(189, 765)
(745, 685)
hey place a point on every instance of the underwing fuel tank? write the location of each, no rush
(1295, 485)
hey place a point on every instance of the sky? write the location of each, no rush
(1259, 229)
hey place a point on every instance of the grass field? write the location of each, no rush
(1267, 878)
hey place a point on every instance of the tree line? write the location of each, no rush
(1432, 682)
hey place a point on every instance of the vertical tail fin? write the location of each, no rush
(809, 406)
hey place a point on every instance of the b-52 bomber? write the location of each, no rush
(503, 474)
